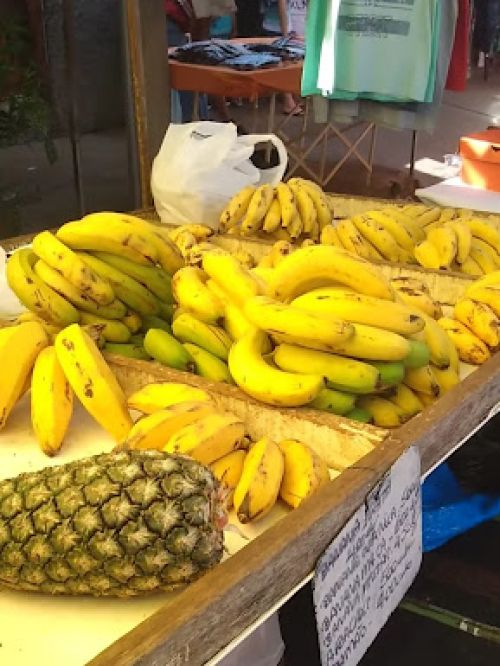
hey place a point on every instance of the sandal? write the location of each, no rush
(296, 111)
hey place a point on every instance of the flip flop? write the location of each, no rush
(296, 111)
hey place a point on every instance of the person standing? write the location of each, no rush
(292, 15)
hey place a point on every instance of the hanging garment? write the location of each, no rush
(457, 73)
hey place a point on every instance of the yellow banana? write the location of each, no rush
(427, 255)
(287, 203)
(213, 339)
(195, 255)
(354, 241)
(92, 381)
(128, 290)
(51, 402)
(411, 227)
(217, 291)
(294, 229)
(50, 329)
(480, 319)
(407, 400)
(304, 472)
(200, 231)
(279, 250)
(19, 347)
(154, 430)
(132, 321)
(228, 470)
(49, 248)
(191, 293)
(235, 322)
(414, 211)
(489, 294)
(342, 374)
(369, 342)
(154, 397)
(415, 297)
(311, 267)
(428, 216)
(34, 293)
(307, 242)
(265, 382)
(236, 280)
(305, 206)
(422, 380)
(245, 258)
(471, 267)
(236, 208)
(323, 213)
(293, 323)
(447, 214)
(426, 399)
(470, 348)
(492, 279)
(362, 309)
(445, 240)
(257, 209)
(484, 255)
(398, 231)
(437, 343)
(112, 329)
(486, 231)
(329, 236)
(266, 261)
(208, 438)
(82, 300)
(377, 235)
(385, 414)
(164, 348)
(260, 482)
(208, 365)
(464, 238)
(272, 219)
(446, 378)
(185, 241)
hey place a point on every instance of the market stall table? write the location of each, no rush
(269, 82)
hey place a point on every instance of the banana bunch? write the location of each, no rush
(107, 270)
(294, 210)
(474, 328)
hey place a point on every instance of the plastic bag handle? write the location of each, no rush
(253, 139)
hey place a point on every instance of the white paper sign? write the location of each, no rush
(369, 566)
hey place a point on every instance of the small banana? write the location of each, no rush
(153, 397)
(446, 378)
(385, 413)
(445, 241)
(324, 215)
(407, 400)
(471, 267)
(208, 438)
(427, 255)
(464, 238)
(377, 235)
(228, 470)
(235, 322)
(92, 380)
(287, 203)
(486, 231)
(185, 241)
(233, 278)
(422, 380)
(437, 343)
(336, 402)
(428, 216)
(257, 209)
(272, 219)
(305, 206)
(207, 365)
(235, 210)
(480, 319)
(245, 258)
(279, 250)
(127, 349)
(369, 342)
(470, 348)
(398, 231)
(112, 329)
(294, 229)
(132, 321)
(165, 349)
(213, 339)
(154, 430)
(417, 298)
(191, 293)
(330, 236)
(152, 321)
(446, 215)
(158, 281)
(360, 415)
(411, 227)
(194, 256)
(414, 210)
(260, 482)
(484, 255)
(51, 402)
(200, 231)
(486, 293)
(304, 472)
(354, 241)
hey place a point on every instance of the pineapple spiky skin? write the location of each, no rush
(118, 524)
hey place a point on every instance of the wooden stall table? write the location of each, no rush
(285, 77)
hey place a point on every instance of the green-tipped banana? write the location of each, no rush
(128, 349)
(332, 401)
(112, 330)
(165, 310)
(341, 373)
(155, 279)
(392, 373)
(360, 415)
(165, 349)
(114, 310)
(207, 365)
(211, 338)
(419, 355)
(126, 288)
(34, 293)
(152, 321)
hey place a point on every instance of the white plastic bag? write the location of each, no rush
(9, 303)
(201, 165)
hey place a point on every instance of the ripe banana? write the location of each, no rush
(336, 402)
(483, 255)
(446, 215)
(19, 347)
(422, 380)
(127, 349)
(342, 374)
(195, 255)
(272, 219)
(34, 293)
(92, 381)
(329, 236)
(486, 231)
(426, 399)
(228, 470)
(154, 430)
(200, 231)
(385, 414)
(293, 324)
(412, 228)
(446, 379)
(245, 258)
(50, 329)
(126, 288)
(417, 298)
(208, 438)
(155, 279)
(354, 241)
(480, 319)
(287, 203)
(428, 216)
(361, 309)
(132, 321)
(294, 229)
(165, 349)
(369, 342)
(311, 267)
(445, 241)
(184, 240)
(235, 322)
(257, 209)
(324, 215)
(305, 206)
(463, 237)
(304, 472)
(112, 330)
(414, 210)
(260, 482)
(437, 343)
(279, 250)
(471, 267)
(489, 294)
(398, 231)
(492, 279)
(238, 282)
(215, 340)
(427, 255)
(265, 382)
(407, 401)
(51, 402)
(153, 397)
(192, 294)
(470, 348)
(207, 365)
(379, 237)
(82, 300)
(236, 208)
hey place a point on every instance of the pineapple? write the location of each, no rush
(118, 524)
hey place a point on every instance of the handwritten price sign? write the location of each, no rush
(367, 569)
